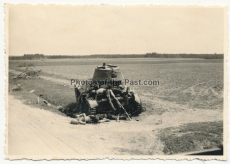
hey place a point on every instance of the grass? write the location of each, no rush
(56, 94)
(192, 137)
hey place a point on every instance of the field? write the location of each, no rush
(189, 98)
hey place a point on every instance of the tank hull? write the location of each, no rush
(106, 93)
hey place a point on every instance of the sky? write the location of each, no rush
(86, 30)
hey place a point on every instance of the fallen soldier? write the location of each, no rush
(82, 119)
(117, 117)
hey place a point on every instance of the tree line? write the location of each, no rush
(204, 56)
(147, 55)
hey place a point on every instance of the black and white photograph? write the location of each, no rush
(117, 82)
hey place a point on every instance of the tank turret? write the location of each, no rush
(107, 75)
(107, 72)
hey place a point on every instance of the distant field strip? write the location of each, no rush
(56, 80)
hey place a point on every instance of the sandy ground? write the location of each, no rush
(33, 131)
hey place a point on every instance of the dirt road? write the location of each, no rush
(33, 131)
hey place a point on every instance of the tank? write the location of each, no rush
(107, 93)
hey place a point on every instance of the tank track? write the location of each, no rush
(138, 108)
(93, 111)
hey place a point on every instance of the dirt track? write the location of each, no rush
(33, 131)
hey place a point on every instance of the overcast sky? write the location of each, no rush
(85, 30)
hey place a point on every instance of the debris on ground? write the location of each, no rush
(16, 88)
(48, 104)
(60, 108)
(28, 73)
(82, 119)
(38, 100)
